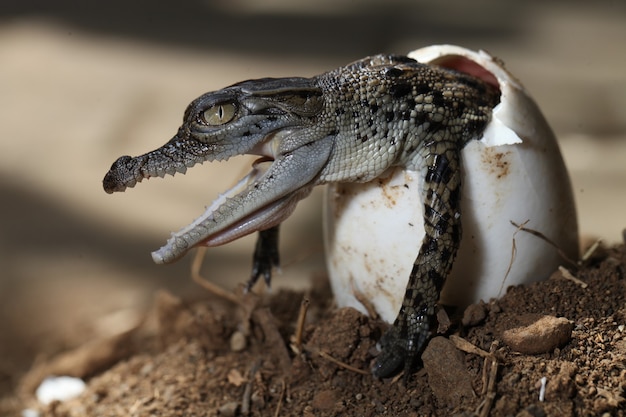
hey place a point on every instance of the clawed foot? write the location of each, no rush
(401, 346)
(265, 258)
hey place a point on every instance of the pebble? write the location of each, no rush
(542, 336)
(59, 388)
(237, 341)
(532, 411)
(257, 400)
(474, 314)
(229, 409)
(324, 400)
(448, 376)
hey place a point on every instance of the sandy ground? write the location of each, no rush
(78, 88)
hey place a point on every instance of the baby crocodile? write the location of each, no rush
(348, 125)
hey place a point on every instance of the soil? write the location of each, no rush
(240, 356)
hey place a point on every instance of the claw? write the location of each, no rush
(393, 354)
(265, 258)
(402, 345)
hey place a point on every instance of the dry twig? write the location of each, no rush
(321, 353)
(568, 275)
(280, 399)
(467, 347)
(489, 381)
(247, 393)
(545, 239)
(296, 339)
(207, 285)
(590, 252)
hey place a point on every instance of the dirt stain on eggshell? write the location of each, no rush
(496, 161)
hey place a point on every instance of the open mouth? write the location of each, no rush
(261, 200)
(256, 217)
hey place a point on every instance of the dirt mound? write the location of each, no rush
(216, 357)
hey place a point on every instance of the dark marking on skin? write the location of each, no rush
(458, 108)
(422, 89)
(439, 172)
(455, 233)
(436, 278)
(473, 125)
(435, 125)
(441, 227)
(421, 118)
(403, 59)
(437, 97)
(428, 211)
(400, 90)
(413, 294)
(475, 84)
(431, 245)
(455, 198)
(389, 116)
(394, 72)
(445, 255)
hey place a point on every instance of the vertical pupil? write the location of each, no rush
(220, 111)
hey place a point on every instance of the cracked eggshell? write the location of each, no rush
(373, 231)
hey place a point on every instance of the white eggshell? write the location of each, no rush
(514, 173)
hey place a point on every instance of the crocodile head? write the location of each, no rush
(266, 117)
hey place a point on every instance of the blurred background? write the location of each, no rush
(82, 83)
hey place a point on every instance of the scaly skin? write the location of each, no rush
(348, 125)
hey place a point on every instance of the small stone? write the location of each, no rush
(237, 341)
(562, 384)
(146, 369)
(542, 336)
(257, 400)
(229, 409)
(505, 406)
(324, 400)
(443, 321)
(448, 376)
(532, 411)
(474, 314)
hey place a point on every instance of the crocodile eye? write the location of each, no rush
(219, 114)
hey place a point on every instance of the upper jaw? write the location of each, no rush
(178, 154)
